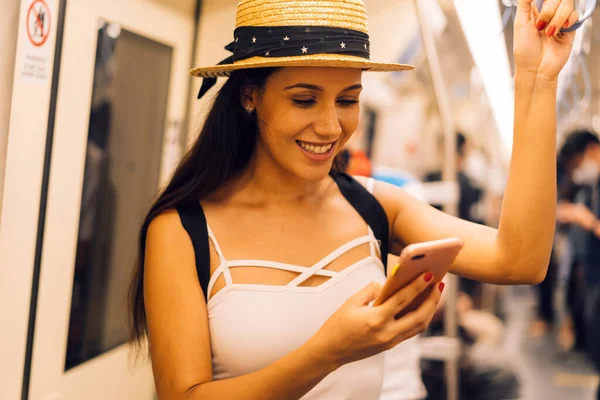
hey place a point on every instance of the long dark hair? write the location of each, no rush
(221, 152)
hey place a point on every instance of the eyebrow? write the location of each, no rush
(319, 88)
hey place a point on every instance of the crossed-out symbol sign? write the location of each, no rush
(38, 22)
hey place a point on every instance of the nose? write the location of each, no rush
(328, 123)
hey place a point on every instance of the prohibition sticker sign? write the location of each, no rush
(38, 23)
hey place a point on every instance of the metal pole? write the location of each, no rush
(449, 174)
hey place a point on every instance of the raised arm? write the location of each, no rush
(519, 251)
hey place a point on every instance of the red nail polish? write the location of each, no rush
(551, 31)
(428, 277)
(541, 25)
(442, 286)
(566, 25)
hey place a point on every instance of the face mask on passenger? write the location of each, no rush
(587, 173)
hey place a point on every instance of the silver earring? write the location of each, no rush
(249, 109)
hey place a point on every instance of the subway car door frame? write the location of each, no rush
(114, 374)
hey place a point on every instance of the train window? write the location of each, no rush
(122, 166)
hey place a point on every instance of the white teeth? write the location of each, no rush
(316, 149)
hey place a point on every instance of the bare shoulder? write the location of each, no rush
(164, 227)
(168, 246)
(176, 309)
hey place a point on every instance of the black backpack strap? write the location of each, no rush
(368, 207)
(193, 220)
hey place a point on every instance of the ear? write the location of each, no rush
(249, 96)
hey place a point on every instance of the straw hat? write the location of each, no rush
(294, 33)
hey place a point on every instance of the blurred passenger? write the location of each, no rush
(581, 155)
(545, 316)
(470, 194)
(237, 289)
(569, 254)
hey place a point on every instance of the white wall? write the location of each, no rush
(391, 25)
(9, 23)
(215, 31)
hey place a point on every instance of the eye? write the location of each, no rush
(347, 102)
(304, 103)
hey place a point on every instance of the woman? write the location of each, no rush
(259, 183)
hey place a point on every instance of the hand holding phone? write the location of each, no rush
(434, 257)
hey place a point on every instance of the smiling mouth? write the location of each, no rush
(316, 148)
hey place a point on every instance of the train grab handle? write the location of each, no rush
(590, 6)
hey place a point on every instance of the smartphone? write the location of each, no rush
(416, 259)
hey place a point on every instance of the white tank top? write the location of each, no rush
(253, 325)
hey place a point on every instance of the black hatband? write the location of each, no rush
(290, 41)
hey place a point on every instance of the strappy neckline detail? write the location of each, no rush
(305, 272)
